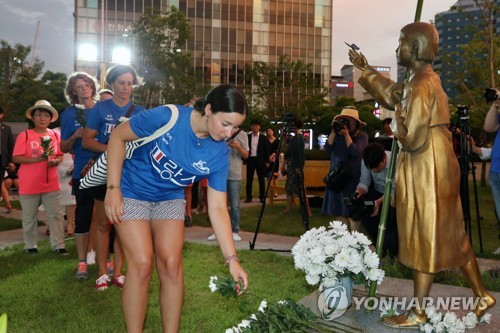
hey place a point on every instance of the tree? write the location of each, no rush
(168, 73)
(290, 86)
(474, 67)
(19, 86)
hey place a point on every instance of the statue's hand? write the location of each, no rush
(398, 127)
(358, 59)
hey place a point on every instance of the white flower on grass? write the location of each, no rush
(244, 323)
(212, 285)
(262, 306)
(470, 320)
(233, 330)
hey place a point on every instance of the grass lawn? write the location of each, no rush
(40, 294)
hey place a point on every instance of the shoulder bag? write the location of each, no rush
(97, 174)
(339, 177)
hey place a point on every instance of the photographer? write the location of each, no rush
(491, 125)
(374, 170)
(345, 145)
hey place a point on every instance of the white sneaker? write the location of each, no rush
(236, 237)
(212, 237)
(91, 257)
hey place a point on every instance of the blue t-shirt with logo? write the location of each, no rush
(104, 118)
(159, 170)
(69, 124)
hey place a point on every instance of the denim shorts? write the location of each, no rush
(159, 210)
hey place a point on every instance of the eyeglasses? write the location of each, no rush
(42, 115)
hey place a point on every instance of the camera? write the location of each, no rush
(492, 94)
(288, 117)
(339, 124)
(463, 111)
(359, 208)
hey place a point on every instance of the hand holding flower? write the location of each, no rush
(46, 143)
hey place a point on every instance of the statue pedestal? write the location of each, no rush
(358, 320)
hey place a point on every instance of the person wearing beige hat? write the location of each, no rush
(345, 145)
(37, 151)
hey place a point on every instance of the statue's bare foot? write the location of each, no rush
(407, 320)
(484, 304)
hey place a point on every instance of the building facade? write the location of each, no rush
(226, 34)
(458, 27)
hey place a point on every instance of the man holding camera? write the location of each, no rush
(370, 192)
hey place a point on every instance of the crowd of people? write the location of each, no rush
(139, 216)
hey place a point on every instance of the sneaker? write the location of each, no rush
(91, 257)
(212, 237)
(62, 252)
(110, 265)
(102, 283)
(31, 251)
(236, 237)
(188, 222)
(81, 271)
(119, 281)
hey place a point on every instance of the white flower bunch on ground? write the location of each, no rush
(328, 254)
(450, 323)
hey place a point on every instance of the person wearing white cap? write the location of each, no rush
(37, 151)
(345, 143)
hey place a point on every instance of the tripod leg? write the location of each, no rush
(304, 204)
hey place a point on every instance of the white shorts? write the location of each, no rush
(159, 210)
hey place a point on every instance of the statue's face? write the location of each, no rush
(404, 54)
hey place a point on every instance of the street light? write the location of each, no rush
(121, 55)
(87, 51)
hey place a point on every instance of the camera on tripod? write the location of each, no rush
(359, 208)
(338, 125)
(463, 112)
(492, 94)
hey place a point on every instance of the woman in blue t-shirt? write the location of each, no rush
(145, 197)
(101, 121)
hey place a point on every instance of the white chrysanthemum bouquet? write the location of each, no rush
(327, 255)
